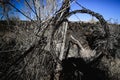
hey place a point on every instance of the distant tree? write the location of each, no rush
(40, 9)
(5, 9)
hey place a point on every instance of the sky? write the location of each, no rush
(110, 9)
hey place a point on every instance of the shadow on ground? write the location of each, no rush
(78, 69)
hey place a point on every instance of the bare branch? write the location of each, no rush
(97, 15)
(84, 53)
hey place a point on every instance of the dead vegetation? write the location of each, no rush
(61, 50)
